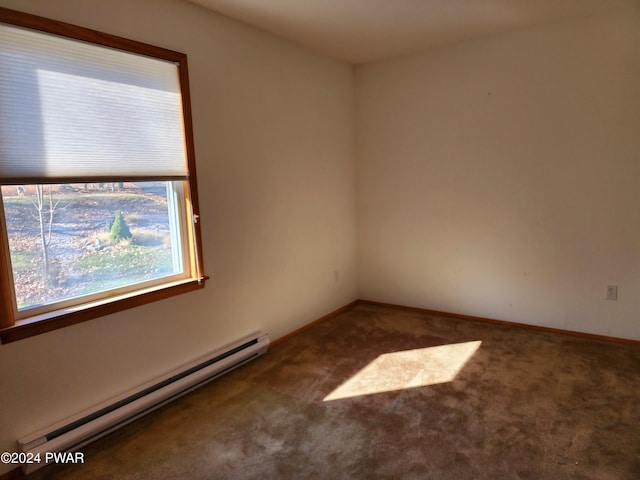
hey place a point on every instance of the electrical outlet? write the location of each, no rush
(612, 292)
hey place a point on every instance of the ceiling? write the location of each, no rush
(360, 31)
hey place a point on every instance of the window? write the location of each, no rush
(97, 175)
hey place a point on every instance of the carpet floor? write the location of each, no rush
(382, 393)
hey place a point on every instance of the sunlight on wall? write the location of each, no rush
(407, 369)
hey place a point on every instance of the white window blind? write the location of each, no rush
(73, 110)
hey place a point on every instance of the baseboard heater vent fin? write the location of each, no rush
(81, 429)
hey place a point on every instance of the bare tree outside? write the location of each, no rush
(45, 207)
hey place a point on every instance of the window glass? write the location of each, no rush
(72, 240)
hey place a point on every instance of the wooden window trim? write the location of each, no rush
(11, 330)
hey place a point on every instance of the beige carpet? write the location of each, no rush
(383, 393)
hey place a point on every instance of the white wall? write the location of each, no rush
(501, 177)
(275, 161)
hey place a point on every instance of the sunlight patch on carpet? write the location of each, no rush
(407, 369)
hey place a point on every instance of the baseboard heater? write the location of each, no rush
(81, 429)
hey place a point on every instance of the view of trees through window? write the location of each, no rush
(78, 239)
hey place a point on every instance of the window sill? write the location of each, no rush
(81, 313)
